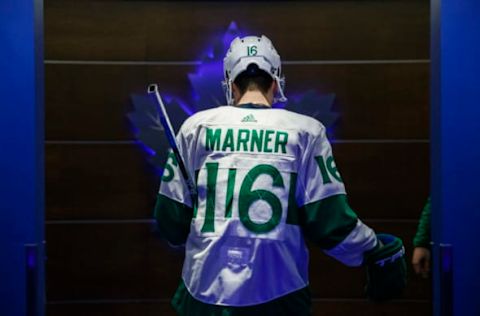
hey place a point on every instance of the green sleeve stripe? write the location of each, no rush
(329, 221)
(422, 237)
(173, 219)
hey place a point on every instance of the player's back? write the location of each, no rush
(245, 230)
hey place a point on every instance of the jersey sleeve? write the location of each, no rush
(327, 218)
(173, 209)
(422, 236)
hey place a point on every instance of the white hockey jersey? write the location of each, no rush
(266, 178)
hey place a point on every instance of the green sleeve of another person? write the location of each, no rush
(422, 237)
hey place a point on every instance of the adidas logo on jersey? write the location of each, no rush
(249, 118)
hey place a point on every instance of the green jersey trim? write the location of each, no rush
(329, 221)
(173, 219)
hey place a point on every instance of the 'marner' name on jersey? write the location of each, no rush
(246, 140)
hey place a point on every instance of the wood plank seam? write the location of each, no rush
(196, 62)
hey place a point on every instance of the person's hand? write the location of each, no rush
(421, 261)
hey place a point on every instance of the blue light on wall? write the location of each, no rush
(206, 93)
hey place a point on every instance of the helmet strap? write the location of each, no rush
(280, 84)
(229, 92)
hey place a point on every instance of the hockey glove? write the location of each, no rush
(386, 269)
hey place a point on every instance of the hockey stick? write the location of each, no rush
(167, 126)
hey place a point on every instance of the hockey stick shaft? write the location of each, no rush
(167, 126)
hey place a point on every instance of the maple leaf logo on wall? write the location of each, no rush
(208, 93)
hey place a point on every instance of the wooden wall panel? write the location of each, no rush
(385, 180)
(148, 30)
(388, 180)
(126, 261)
(106, 261)
(364, 308)
(381, 101)
(375, 101)
(99, 182)
(100, 95)
(111, 309)
(319, 308)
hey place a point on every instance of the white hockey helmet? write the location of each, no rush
(252, 50)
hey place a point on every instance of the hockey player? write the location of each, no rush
(266, 180)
